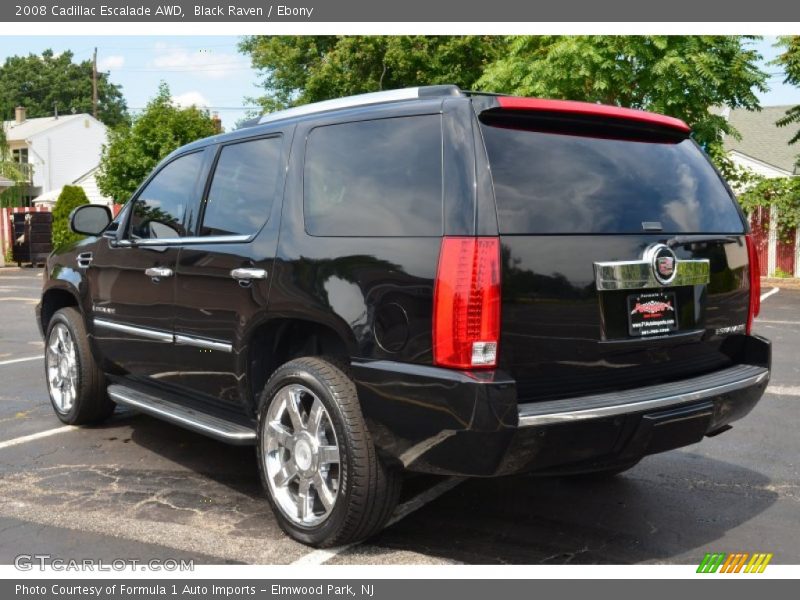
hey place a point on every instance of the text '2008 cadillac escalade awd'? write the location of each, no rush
(422, 279)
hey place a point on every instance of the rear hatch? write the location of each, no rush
(624, 254)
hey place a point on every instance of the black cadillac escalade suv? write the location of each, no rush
(422, 279)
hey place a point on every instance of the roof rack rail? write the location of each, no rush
(479, 93)
(429, 91)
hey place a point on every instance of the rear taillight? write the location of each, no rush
(466, 303)
(755, 282)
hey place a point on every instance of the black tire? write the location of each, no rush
(368, 490)
(91, 403)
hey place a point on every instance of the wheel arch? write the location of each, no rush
(279, 340)
(54, 299)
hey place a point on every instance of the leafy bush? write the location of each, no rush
(781, 192)
(71, 197)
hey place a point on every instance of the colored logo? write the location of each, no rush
(652, 307)
(736, 562)
(665, 265)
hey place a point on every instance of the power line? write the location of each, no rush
(200, 69)
(209, 107)
(154, 47)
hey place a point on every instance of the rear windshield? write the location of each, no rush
(562, 181)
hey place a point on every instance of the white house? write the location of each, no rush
(764, 149)
(88, 181)
(57, 151)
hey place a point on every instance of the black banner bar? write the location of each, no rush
(730, 588)
(254, 11)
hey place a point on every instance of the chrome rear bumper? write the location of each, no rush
(660, 396)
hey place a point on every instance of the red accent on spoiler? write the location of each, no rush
(587, 108)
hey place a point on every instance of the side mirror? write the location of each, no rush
(90, 219)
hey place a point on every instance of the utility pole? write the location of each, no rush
(94, 84)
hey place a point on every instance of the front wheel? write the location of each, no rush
(75, 382)
(323, 477)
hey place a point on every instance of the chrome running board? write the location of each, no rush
(207, 424)
(663, 395)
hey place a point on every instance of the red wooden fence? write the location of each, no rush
(785, 254)
(759, 224)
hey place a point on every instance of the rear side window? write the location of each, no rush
(375, 178)
(243, 188)
(549, 181)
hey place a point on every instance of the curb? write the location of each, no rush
(787, 283)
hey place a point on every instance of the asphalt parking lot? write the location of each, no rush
(138, 488)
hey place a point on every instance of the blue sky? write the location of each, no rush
(205, 70)
(209, 71)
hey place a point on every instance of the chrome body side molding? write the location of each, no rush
(163, 336)
(151, 334)
(189, 340)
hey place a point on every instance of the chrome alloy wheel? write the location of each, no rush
(301, 456)
(61, 364)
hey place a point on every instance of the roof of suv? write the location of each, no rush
(491, 101)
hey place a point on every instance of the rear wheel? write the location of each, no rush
(74, 381)
(323, 477)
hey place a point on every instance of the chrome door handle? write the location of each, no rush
(245, 274)
(158, 272)
(84, 259)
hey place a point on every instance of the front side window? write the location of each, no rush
(243, 188)
(375, 178)
(161, 209)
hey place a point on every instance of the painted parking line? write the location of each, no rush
(784, 390)
(318, 557)
(773, 322)
(35, 436)
(13, 361)
(772, 292)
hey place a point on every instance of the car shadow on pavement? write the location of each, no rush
(666, 509)
(663, 511)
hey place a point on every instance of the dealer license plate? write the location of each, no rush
(652, 313)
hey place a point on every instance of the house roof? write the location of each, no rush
(762, 139)
(31, 127)
(86, 175)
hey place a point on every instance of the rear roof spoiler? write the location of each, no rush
(587, 109)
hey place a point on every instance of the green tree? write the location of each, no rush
(300, 69)
(134, 150)
(70, 198)
(790, 61)
(8, 170)
(682, 76)
(42, 82)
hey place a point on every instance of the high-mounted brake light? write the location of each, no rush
(466, 303)
(755, 282)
